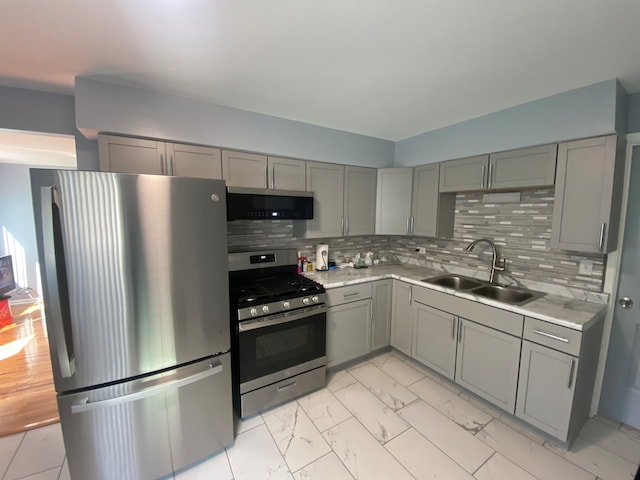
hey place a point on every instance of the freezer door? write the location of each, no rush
(131, 430)
(134, 272)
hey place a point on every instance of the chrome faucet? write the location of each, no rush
(496, 264)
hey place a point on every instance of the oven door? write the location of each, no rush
(279, 346)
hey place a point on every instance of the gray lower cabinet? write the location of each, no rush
(487, 363)
(546, 388)
(588, 195)
(434, 340)
(381, 315)
(402, 318)
(348, 331)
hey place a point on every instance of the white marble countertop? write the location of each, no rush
(571, 312)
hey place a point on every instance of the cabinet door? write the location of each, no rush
(487, 363)
(286, 174)
(464, 174)
(546, 388)
(241, 169)
(402, 318)
(526, 167)
(434, 340)
(326, 181)
(193, 161)
(381, 316)
(584, 189)
(131, 155)
(393, 201)
(432, 213)
(359, 200)
(348, 332)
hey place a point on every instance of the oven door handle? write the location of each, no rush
(269, 322)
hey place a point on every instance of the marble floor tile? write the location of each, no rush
(632, 432)
(520, 428)
(454, 441)
(384, 357)
(423, 459)
(397, 369)
(446, 402)
(363, 456)
(604, 465)
(215, 467)
(328, 467)
(339, 379)
(52, 474)
(298, 440)
(64, 473)
(612, 440)
(247, 424)
(255, 456)
(324, 409)
(383, 386)
(42, 449)
(499, 468)
(383, 423)
(608, 421)
(8, 447)
(530, 456)
(495, 412)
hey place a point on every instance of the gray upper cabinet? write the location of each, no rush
(464, 174)
(134, 155)
(326, 181)
(434, 342)
(402, 318)
(432, 213)
(393, 202)
(194, 161)
(381, 316)
(588, 194)
(546, 389)
(487, 363)
(526, 167)
(286, 174)
(359, 200)
(241, 169)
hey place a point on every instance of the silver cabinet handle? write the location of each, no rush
(346, 226)
(273, 177)
(573, 362)
(408, 229)
(489, 177)
(342, 226)
(353, 294)
(412, 226)
(172, 167)
(266, 177)
(162, 169)
(85, 406)
(601, 240)
(459, 331)
(410, 294)
(549, 335)
(482, 179)
(55, 274)
(453, 328)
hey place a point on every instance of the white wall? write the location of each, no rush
(580, 113)
(106, 107)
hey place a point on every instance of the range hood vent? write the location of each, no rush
(265, 204)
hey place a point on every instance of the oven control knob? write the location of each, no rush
(315, 299)
(253, 312)
(305, 301)
(265, 309)
(286, 305)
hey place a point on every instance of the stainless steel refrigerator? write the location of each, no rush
(135, 280)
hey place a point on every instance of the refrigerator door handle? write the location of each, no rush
(55, 273)
(83, 405)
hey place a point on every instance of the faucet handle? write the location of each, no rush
(500, 265)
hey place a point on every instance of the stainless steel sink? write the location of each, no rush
(457, 282)
(509, 295)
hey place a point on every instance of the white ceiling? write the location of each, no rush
(386, 68)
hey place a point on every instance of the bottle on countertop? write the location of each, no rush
(309, 266)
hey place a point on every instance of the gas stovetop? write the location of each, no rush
(269, 289)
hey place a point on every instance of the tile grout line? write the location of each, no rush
(14, 456)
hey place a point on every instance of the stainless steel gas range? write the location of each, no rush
(278, 324)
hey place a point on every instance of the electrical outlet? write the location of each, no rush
(586, 267)
(422, 250)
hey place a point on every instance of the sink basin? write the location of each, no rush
(508, 295)
(456, 282)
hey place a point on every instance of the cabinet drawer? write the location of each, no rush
(352, 293)
(554, 336)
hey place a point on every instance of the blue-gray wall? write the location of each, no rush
(579, 113)
(34, 111)
(106, 107)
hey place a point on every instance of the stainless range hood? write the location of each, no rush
(266, 204)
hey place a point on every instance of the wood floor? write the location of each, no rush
(27, 395)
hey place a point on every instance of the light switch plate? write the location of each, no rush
(586, 267)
